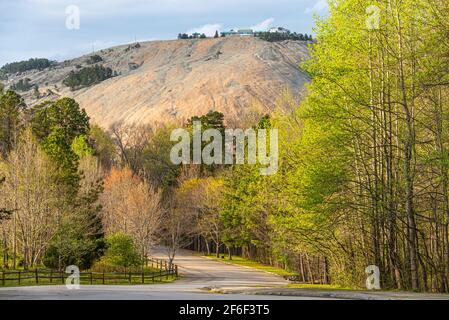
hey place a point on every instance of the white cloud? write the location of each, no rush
(264, 25)
(319, 6)
(207, 29)
(36, 28)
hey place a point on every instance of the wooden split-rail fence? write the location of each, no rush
(41, 276)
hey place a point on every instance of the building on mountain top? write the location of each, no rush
(238, 33)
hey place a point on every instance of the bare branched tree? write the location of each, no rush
(30, 191)
(132, 206)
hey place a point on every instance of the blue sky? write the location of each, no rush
(37, 28)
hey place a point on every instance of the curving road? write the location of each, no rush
(199, 272)
(198, 276)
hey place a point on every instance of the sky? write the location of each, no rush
(64, 29)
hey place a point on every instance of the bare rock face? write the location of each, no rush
(170, 81)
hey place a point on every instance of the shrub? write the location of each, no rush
(3, 75)
(94, 59)
(72, 247)
(120, 252)
(22, 85)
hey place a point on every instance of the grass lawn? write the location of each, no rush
(279, 271)
(29, 278)
(253, 264)
(320, 287)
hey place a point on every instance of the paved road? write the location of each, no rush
(197, 273)
(202, 272)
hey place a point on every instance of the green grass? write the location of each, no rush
(279, 271)
(253, 264)
(320, 287)
(29, 279)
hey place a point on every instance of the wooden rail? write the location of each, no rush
(163, 264)
(56, 276)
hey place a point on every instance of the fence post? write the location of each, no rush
(19, 277)
(176, 270)
(37, 276)
(51, 276)
(130, 281)
(91, 280)
(143, 277)
(103, 277)
(3, 278)
(62, 276)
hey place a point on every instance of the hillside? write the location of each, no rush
(165, 81)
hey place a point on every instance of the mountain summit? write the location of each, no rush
(164, 81)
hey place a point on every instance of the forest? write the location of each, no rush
(277, 37)
(363, 173)
(88, 76)
(22, 66)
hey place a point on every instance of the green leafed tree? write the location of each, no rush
(121, 251)
(12, 107)
(103, 145)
